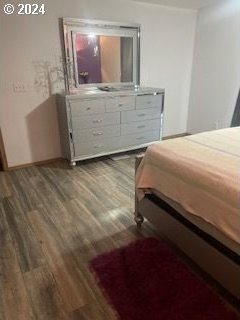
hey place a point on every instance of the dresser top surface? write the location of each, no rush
(91, 92)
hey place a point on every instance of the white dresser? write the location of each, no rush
(94, 123)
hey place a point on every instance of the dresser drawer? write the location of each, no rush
(96, 147)
(149, 101)
(140, 138)
(140, 126)
(140, 115)
(96, 133)
(120, 103)
(86, 106)
(96, 120)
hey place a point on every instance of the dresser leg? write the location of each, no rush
(139, 220)
(73, 163)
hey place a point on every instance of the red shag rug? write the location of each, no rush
(147, 281)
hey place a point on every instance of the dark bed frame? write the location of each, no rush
(219, 261)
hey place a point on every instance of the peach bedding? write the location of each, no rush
(200, 172)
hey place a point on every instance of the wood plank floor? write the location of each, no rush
(53, 220)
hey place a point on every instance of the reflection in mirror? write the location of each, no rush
(103, 59)
(103, 53)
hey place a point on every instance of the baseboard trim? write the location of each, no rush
(44, 162)
(32, 164)
(179, 135)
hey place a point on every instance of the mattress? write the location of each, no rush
(201, 173)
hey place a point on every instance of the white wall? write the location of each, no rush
(216, 67)
(30, 54)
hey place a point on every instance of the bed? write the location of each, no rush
(189, 188)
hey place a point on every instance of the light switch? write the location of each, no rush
(19, 87)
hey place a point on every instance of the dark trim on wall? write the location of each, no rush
(176, 136)
(3, 156)
(236, 114)
(31, 164)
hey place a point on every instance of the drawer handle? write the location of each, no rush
(99, 146)
(141, 115)
(97, 121)
(141, 127)
(97, 133)
(149, 102)
(120, 104)
(88, 108)
(140, 138)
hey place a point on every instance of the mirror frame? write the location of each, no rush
(73, 25)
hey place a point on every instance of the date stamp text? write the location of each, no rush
(24, 8)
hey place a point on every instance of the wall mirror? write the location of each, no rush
(100, 53)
